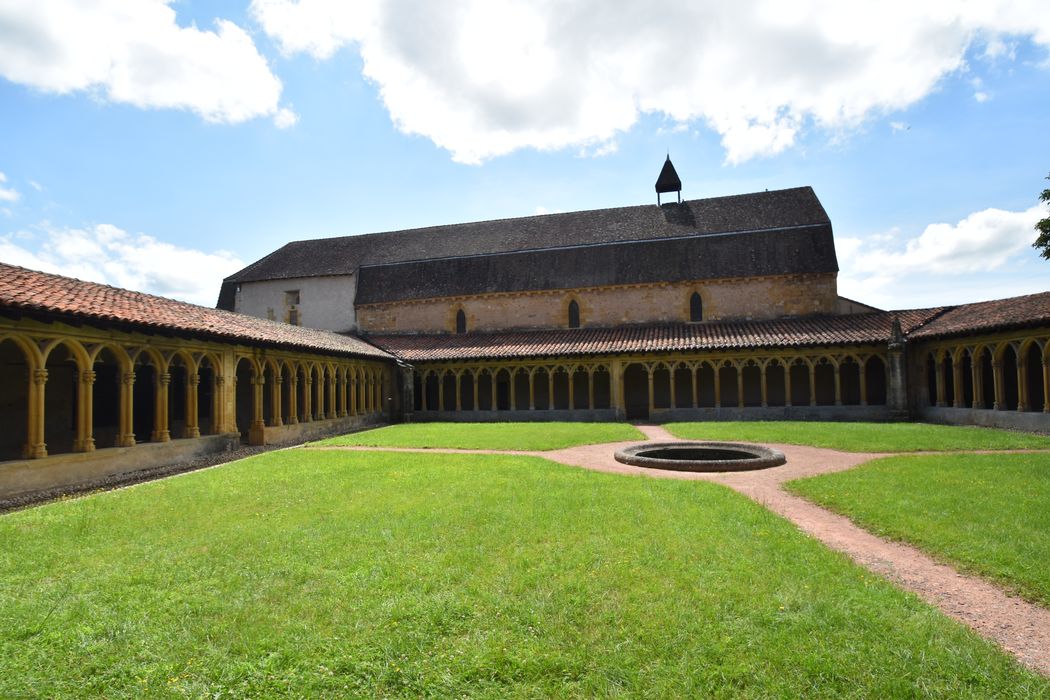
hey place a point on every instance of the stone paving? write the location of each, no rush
(1019, 627)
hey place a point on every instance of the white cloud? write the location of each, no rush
(134, 51)
(7, 194)
(482, 78)
(36, 185)
(285, 118)
(107, 254)
(893, 271)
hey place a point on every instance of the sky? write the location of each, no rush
(163, 145)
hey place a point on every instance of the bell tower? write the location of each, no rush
(668, 181)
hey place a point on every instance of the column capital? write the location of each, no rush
(128, 378)
(164, 379)
(193, 379)
(219, 380)
(87, 376)
(39, 377)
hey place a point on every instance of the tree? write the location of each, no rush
(1043, 227)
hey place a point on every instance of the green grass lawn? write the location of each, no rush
(862, 437)
(490, 436)
(989, 514)
(323, 574)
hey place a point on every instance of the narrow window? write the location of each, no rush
(291, 298)
(293, 317)
(574, 314)
(696, 308)
(461, 322)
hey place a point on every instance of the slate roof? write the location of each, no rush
(987, 316)
(779, 209)
(31, 292)
(668, 181)
(859, 329)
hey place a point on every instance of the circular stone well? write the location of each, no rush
(701, 456)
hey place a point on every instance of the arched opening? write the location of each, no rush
(987, 380)
(448, 385)
(636, 391)
(430, 392)
(801, 391)
(849, 382)
(966, 366)
(661, 387)
(245, 375)
(775, 385)
(696, 308)
(931, 380)
(503, 379)
(1034, 378)
(574, 314)
(319, 393)
(14, 401)
(824, 382)
(177, 403)
(580, 389)
(521, 390)
(541, 390)
(207, 420)
(302, 395)
(752, 375)
(948, 373)
(60, 400)
(705, 385)
(560, 400)
(1009, 378)
(144, 399)
(105, 399)
(683, 387)
(875, 376)
(461, 322)
(727, 386)
(287, 398)
(602, 388)
(466, 391)
(484, 380)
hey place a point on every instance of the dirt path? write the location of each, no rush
(1020, 627)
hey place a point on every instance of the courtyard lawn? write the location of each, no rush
(490, 436)
(988, 514)
(862, 437)
(320, 574)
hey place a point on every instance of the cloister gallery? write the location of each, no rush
(721, 308)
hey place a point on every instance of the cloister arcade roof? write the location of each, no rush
(53, 297)
(986, 316)
(859, 329)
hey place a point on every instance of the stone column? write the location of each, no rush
(441, 391)
(275, 399)
(550, 388)
(126, 420)
(977, 377)
(85, 440)
(1046, 385)
(218, 405)
(812, 385)
(957, 381)
(938, 368)
(838, 384)
(896, 377)
(572, 390)
(308, 399)
(160, 408)
(692, 376)
(740, 386)
(590, 388)
(293, 399)
(765, 391)
(474, 381)
(331, 413)
(674, 399)
(36, 447)
(999, 386)
(513, 390)
(616, 387)
(459, 391)
(257, 424)
(493, 386)
(353, 394)
(344, 394)
(532, 389)
(718, 384)
(193, 381)
(1022, 384)
(787, 384)
(862, 374)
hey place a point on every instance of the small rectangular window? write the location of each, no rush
(293, 317)
(291, 298)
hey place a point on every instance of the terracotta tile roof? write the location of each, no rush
(729, 335)
(984, 316)
(32, 291)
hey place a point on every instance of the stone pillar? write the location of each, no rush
(85, 440)
(896, 377)
(999, 386)
(308, 397)
(493, 390)
(812, 385)
(354, 389)
(590, 388)
(160, 409)
(293, 399)
(459, 391)
(275, 399)
(550, 388)
(938, 368)
(125, 420)
(977, 377)
(740, 386)
(474, 381)
(513, 390)
(765, 391)
(692, 376)
(319, 413)
(787, 384)
(331, 413)
(344, 394)
(1046, 385)
(572, 390)
(616, 387)
(532, 389)
(1022, 384)
(674, 399)
(838, 383)
(718, 385)
(257, 427)
(863, 376)
(218, 405)
(957, 381)
(441, 391)
(36, 447)
(193, 381)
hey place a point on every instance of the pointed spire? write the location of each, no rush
(668, 180)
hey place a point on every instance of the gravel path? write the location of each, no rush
(1019, 627)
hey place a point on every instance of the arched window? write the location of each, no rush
(461, 322)
(696, 308)
(574, 314)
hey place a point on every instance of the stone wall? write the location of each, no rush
(324, 302)
(758, 298)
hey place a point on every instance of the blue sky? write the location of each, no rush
(162, 146)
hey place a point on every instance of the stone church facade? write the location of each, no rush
(710, 309)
